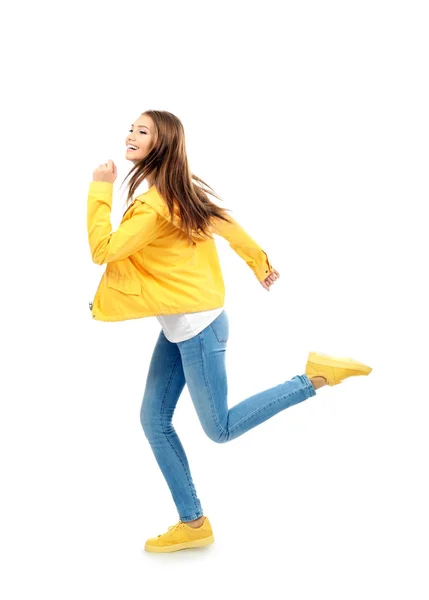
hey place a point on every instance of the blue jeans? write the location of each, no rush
(200, 363)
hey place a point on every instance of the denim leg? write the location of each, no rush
(203, 360)
(165, 382)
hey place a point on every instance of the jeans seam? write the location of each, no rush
(167, 437)
(261, 408)
(214, 331)
(192, 517)
(214, 414)
(309, 384)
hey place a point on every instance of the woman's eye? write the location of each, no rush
(130, 130)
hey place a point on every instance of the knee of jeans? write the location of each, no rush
(218, 436)
(154, 427)
(146, 423)
(147, 428)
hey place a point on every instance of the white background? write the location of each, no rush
(310, 119)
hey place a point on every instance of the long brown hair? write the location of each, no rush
(168, 162)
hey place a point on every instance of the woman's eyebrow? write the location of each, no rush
(141, 126)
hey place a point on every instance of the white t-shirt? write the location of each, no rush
(181, 327)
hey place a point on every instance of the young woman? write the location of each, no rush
(162, 261)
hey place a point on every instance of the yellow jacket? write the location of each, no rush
(148, 270)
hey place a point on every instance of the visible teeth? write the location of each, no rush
(132, 148)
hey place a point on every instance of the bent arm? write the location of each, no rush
(132, 235)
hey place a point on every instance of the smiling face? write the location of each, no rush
(142, 136)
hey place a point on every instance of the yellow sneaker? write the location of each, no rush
(335, 369)
(181, 536)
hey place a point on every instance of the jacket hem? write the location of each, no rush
(115, 318)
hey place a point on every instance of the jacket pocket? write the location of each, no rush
(123, 284)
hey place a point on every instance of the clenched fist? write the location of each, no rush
(106, 172)
(270, 279)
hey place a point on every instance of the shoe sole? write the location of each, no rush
(191, 544)
(344, 363)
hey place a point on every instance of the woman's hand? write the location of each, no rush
(270, 279)
(105, 172)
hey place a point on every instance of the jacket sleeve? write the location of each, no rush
(132, 235)
(245, 246)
